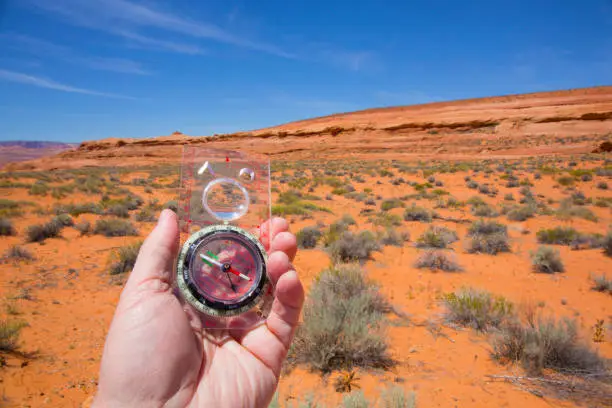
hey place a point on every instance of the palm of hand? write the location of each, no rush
(157, 354)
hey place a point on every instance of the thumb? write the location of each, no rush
(154, 268)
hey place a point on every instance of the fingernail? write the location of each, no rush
(291, 274)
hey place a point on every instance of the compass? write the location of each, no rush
(221, 271)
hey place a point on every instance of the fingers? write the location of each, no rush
(270, 229)
(155, 263)
(278, 263)
(287, 306)
(285, 242)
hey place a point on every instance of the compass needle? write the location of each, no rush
(223, 250)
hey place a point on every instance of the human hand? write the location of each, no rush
(157, 354)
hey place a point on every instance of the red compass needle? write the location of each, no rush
(224, 267)
(242, 275)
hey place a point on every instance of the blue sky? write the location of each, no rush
(73, 70)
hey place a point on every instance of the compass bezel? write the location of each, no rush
(189, 290)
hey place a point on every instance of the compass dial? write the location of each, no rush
(222, 270)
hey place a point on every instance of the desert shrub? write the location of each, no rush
(586, 177)
(370, 201)
(437, 261)
(114, 227)
(118, 210)
(390, 204)
(490, 244)
(509, 197)
(122, 205)
(391, 237)
(603, 202)
(334, 232)
(480, 227)
(11, 208)
(6, 227)
(18, 253)
(348, 219)
(146, 215)
(386, 220)
(476, 201)
(578, 198)
(64, 220)
(307, 237)
(546, 343)
(298, 208)
(125, 258)
(547, 260)
(521, 213)
(437, 237)
(557, 236)
(343, 323)
(484, 210)
(568, 211)
(512, 183)
(9, 334)
(78, 209)
(353, 247)
(90, 184)
(40, 232)
(601, 283)
(355, 399)
(607, 243)
(39, 188)
(565, 181)
(477, 309)
(396, 397)
(84, 227)
(602, 185)
(472, 184)
(415, 213)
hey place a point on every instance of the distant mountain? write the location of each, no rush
(574, 121)
(38, 144)
(20, 150)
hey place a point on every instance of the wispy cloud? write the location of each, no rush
(119, 17)
(22, 78)
(38, 47)
(161, 45)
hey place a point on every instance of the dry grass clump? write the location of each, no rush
(344, 324)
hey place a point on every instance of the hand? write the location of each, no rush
(156, 353)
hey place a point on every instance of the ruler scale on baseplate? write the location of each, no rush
(222, 266)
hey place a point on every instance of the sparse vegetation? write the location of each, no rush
(601, 283)
(557, 236)
(546, 343)
(18, 253)
(6, 227)
(353, 247)
(40, 232)
(396, 397)
(343, 325)
(308, 237)
(437, 237)
(437, 260)
(415, 213)
(9, 334)
(114, 228)
(125, 258)
(547, 260)
(477, 309)
(84, 227)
